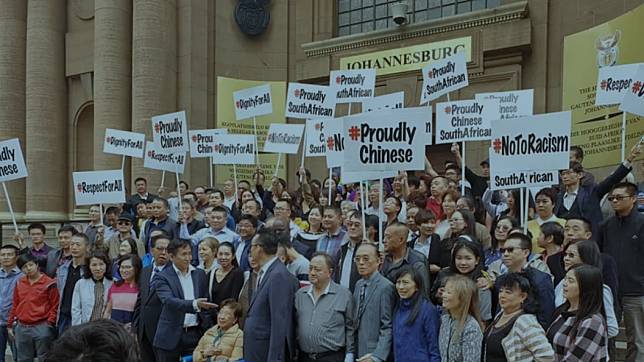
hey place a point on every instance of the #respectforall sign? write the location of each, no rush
(158, 159)
(125, 143)
(613, 83)
(99, 187)
(253, 102)
(353, 85)
(309, 101)
(170, 132)
(444, 76)
(201, 141)
(12, 164)
(634, 99)
(468, 120)
(234, 149)
(380, 141)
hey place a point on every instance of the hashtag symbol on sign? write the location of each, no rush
(108, 140)
(297, 93)
(194, 138)
(237, 104)
(354, 133)
(603, 84)
(156, 128)
(637, 86)
(448, 110)
(330, 143)
(79, 187)
(430, 74)
(216, 148)
(338, 79)
(149, 153)
(496, 145)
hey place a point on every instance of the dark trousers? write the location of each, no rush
(64, 322)
(187, 343)
(4, 339)
(147, 351)
(324, 357)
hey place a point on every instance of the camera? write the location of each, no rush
(399, 13)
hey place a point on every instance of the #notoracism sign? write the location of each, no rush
(253, 102)
(634, 99)
(334, 143)
(124, 143)
(309, 101)
(531, 143)
(465, 120)
(99, 187)
(201, 141)
(387, 101)
(444, 76)
(233, 149)
(353, 85)
(512, 104)
(170, 132)
(158, 159)
(613, 83)
(12, 164)
(380, 141)
(283, 138)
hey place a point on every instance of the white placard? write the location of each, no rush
(99, 187)
(316, 140)
(614, 82)
(126, 143)
(387, 101)
(517, 179)
(353, 85)
(531, 143)
(201, 141)
(634, 99)
(512, 104)
(465, 120)
(334, 143)
(283, 138)
(234, 149)
(253, 102)
(444, 76)
(380, 141)
(308, 101)
(156, 158)
(348, 177)
(170, 132)
(12, 163)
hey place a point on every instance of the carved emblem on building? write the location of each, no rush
(252, 16)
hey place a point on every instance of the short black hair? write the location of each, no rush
(98, 254)
(140, 179)
(587, 223)
(67, 228)
(25, 258)
(82, 236)
(250, 218)
(631, 188)
(185, 184)
(10, 246)
(164, 201)
(37, 225)
(269, 238)
(112, 210)
(177, 244)
(522, 281)
(525, 240)
(579, 152)
(155, 238)
(554, 229)
(548, 192)
(328, 260)
(219, 209)
(374, 246)
(575, 167)
(424, 216)
(100, 340)
(218, 191)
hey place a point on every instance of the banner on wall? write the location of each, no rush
(597, 129)
(99, 187)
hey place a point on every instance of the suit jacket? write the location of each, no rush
(373, 321)
(269, 326)
(167, 286)
(148, 307)
(354, 277)
(52, 262)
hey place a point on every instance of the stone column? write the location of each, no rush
(154, 73)
(112, 74)
(13, 33)
(49, 178)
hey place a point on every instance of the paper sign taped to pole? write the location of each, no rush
(201, 141)
(613, 83)
(531, 143)
(158, 159)
(12, 163)
(444, 76)
(170, 132)
(253, 102)
(634, 99)
(309, 101)
(465, 120)
(512, 104)
(125, 143)
(234, 149)
(353, 85)
(284, 138)
(380, 141)
(99, 187)
(387, 101)
(316, 140)
(334, 143)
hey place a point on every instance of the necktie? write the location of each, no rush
(363, 292)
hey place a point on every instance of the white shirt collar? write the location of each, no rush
(552, 218)
(310, 291)
(268, 264)
(179, 273)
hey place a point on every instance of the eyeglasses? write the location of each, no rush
(509, 250)
(503, 227)
(618, 197)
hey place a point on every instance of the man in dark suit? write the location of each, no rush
(268, 330)
(183, 293)
(346, 271)
(148, 306)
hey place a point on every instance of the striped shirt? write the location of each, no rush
(123, 298)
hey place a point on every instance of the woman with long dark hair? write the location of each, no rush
(416, 320)
(226, 280)
(122, 295)
(89, 299)
(579, 332)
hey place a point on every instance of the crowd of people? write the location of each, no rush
(259, 272)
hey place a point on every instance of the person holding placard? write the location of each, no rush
(94, 224)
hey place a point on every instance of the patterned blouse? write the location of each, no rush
(464, 348)
(588, 343)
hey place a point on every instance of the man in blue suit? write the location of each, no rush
(183, 292)
(268, 331)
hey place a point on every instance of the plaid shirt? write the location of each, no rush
(588, 344)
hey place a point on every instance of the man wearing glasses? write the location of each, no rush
(622, 237)
(124, 227)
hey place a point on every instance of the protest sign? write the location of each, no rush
(634, 99)
(444, 76)
(158, 159)
(12, 163)
(201, 141)
(504, 180)
(387, 101)
(512, 104)
(309, 101)
(613, 83)
(125, 143)
(352, 85)
(170, 132)
(284, 138)
(315, 137)
(253, 102)
(99, 187)
(531, 143)
(465, 120)
(233, 149)
(334, 143)
(378, 141)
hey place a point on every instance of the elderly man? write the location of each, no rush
(399, 255)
